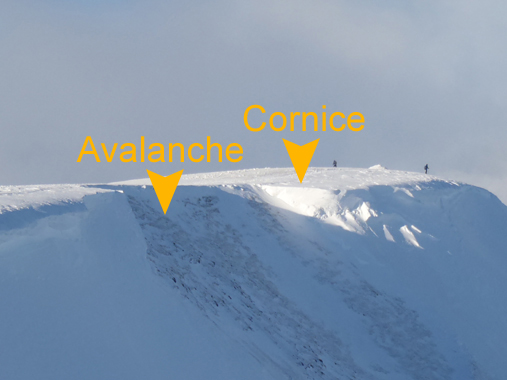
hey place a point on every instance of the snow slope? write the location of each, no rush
(354, 274)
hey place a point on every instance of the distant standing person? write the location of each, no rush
(334, 164)
(426, 168)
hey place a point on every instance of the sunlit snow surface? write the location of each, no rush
(23, 197)
(325, 178)
(354, 274)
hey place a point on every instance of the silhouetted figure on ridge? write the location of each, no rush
(426, 169)
(334, 164)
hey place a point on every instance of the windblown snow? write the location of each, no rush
(354, 274)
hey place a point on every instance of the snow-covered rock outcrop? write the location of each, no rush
(354, 274)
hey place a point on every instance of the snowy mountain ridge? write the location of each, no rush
(354, 274)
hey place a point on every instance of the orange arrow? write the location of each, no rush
(301, 155)
(165, 187)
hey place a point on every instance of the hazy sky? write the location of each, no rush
(429, 77)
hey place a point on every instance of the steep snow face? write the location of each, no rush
(354, 274)
(79, 300)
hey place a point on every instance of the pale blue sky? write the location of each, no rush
(428, 76)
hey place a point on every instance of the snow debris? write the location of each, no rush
(409, 236)
(387, 234)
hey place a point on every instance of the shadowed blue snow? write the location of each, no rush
(356, 273)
